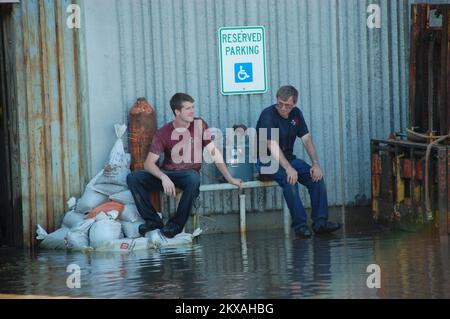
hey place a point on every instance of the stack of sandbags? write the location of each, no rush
(106, 217)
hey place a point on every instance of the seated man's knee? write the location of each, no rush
(299, 164)
(131, 179)
(135, 179)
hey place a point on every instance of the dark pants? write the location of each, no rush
(142, 183)
(317, 193)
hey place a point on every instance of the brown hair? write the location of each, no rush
(176, 102)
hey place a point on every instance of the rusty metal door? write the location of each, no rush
(7, 225)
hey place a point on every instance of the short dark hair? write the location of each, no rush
(176, 102)
(286, 91)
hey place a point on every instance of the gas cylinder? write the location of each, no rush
(141, 128)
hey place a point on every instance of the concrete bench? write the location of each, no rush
(242, 211)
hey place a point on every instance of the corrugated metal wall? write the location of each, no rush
(353, 80)
(47, 105)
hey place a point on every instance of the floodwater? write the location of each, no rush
(265, 264)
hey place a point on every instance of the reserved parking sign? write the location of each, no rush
(242, 60)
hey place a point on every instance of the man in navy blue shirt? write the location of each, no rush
(289, 121)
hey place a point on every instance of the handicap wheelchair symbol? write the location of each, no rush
(243, 72)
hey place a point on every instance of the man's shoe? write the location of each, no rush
(169, 230)
(327, 228)
(149, 226)
(303, 232)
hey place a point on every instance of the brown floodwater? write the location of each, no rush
(264, 264)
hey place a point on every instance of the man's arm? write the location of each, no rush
(316, 171)
(221, 166)
(277, 155)
(151, 167)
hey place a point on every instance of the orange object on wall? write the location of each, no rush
(141, 128)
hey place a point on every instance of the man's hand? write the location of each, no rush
(168, 185)
(236, 181)
(292, 175)
(316, 173)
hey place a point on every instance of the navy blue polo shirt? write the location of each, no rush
(290, 128)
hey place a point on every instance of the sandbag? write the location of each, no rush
(73, 219)
(158, 240)
(71, 203)
(77, 238)
(55, 240)
(125, 244)
(103, 231)
(117, 156)
(114, 177)
(124, 197)
(108, 189)
(130, 214)
(131, 230)
(106, 207)
(91, 198)
(112, 214)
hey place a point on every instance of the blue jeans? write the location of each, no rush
(317, 192)
(142, 183)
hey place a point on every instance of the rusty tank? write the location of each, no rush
(141, 128)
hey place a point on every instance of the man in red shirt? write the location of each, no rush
(182, 142)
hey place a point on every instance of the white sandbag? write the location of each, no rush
(159, 240)
(117, 156)
(125, 244)
(108, 189)
(55, 240)
(77, 238)
(131, 230)
(115, 175)
(72, 219)
(71, 203)
(104, 230)
(112, 214)
(91, 198)
(123, 197)
(130, 214)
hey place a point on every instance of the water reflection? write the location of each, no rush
(414, 266)
(258, 265)
(311, 267)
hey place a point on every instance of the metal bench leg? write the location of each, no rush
(286, 218)
(243, 226)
